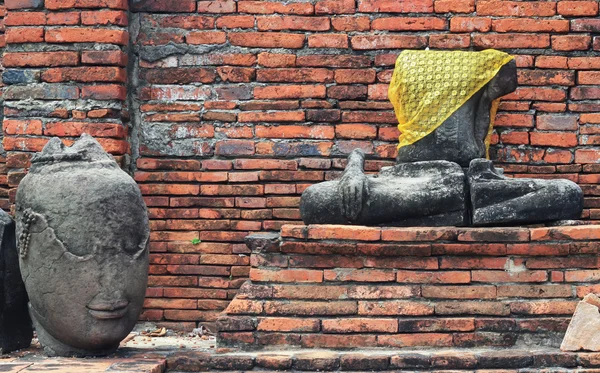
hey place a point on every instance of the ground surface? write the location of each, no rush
(139, 353)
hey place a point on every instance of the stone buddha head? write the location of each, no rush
(82, 232)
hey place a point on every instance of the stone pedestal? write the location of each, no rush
(343, 287)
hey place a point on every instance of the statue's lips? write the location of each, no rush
(113, 310)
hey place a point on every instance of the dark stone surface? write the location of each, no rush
(263, 242)
(83, 235)
(461, 137)
(498, 200)
(407, 194)
(16, 330)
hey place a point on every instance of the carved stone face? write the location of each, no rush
(83, 233)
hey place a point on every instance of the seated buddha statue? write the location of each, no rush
(445, 103)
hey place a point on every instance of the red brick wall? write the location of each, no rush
(237, 106)
(4, 202)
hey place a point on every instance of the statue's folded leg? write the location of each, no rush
(497, 199)
(415, 194)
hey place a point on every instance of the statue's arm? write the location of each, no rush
(503, 83)
(354, 185)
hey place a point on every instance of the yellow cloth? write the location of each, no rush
(429, 86)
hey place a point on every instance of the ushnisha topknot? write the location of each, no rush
(85, 149)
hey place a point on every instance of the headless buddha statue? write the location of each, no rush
(441, 177)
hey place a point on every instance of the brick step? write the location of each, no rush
(510, 360)
(344, 287)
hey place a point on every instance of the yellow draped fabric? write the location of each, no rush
(429, 86)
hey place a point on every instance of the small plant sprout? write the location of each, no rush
(196, 241)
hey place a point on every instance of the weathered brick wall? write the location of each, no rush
(245, 103)
(4, 202)
(64, 75)
(237, 106)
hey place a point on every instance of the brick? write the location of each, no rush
(290, 92)
(494, 235)
(275, 362)
(551, 62)
(528, 41)
(267, 40)
(516, 9)
(73, 129)
(16, 35)
(393, 308)
(546, 307)
(344, 232)
(577, 8)
(22, 127)
(184, 6)
(296, 75)
(557, 122)
(25, 19)
(87, 35)
(296, 23)
(24, 4)
(329, 61)
(309, 292)
(470, 24)
(436, 325)
(328, 41)
(221, 6)
(414, 340)
(84, 74)
(206, 37)
(450, 41)
(504, 276)
(282, 324)
(459, 292)
(104, 58)
(585, 25)
(260, 7)
(535, 291)
(371, 42)
(389, 6)
(234, 22)
(359, 275)
(360, 325)
(289, 275)
(571, 42)
(59, 4)
(584, 63)
(546, 77)
(446, 277)
(310, 308)
(558, 139)
(350, 23)
(364, 362)
(454, 6)
(382, 292)
(576, 233)
(104, 17)
(67, 18)
(530, 25)
(409, 23)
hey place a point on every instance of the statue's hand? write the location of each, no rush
(354, 189)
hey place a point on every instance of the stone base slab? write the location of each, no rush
(509, 360)
(349, 287)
